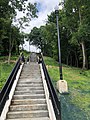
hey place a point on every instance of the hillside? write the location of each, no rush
(5, 68)
(76, 105)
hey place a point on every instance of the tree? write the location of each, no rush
(76, 12)
(36, 38)
(74, 24)
(8, 14)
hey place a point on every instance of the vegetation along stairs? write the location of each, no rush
(29, 101)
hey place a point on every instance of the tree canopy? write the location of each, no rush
(74, 25)
(10, 36)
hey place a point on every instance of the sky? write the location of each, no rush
(45, 7)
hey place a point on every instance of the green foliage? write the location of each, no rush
(26, 53)
(74, 29)
(76, 105)
(5, 70)
(50, 61)
(10, 36)
(77, 21)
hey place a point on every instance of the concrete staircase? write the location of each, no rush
(29, 101)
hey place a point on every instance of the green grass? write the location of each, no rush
(78, 99)
(5, 69)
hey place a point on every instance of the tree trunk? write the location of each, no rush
(71, 60)
(76, 64)
(83, 45)
(67, 60)
(9, 47)
(9, 57)
(84, 55)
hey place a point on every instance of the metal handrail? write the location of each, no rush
(4, 93)
(52, 92)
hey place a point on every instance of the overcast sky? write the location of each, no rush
(45, 7)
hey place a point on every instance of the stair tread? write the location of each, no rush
(30, 95)
(27, 112)
(28, 105)
(28, 91)
(29, 88)
(29, 101)
(20, 83)
(40, 118)
(29, 85)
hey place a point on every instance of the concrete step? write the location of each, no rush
(30, 77)
(28, 88)
(29, 92)
(28, 107)
(30, 82)
(29, 85)
(30, 73)
(33, 96)
(27, 114)
(34, 80)
(40, 118)
(28, 101)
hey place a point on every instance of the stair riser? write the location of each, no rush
(30, 74)
(28, 108)
(29, 97)
(30, 77)
(25, 102)
(28, 82)
(29, 85)
(28, 88)
(27, 115)
(28, 92)
(40, 118)
(33, 79)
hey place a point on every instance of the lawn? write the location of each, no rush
(5, 69)
(76, 105)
